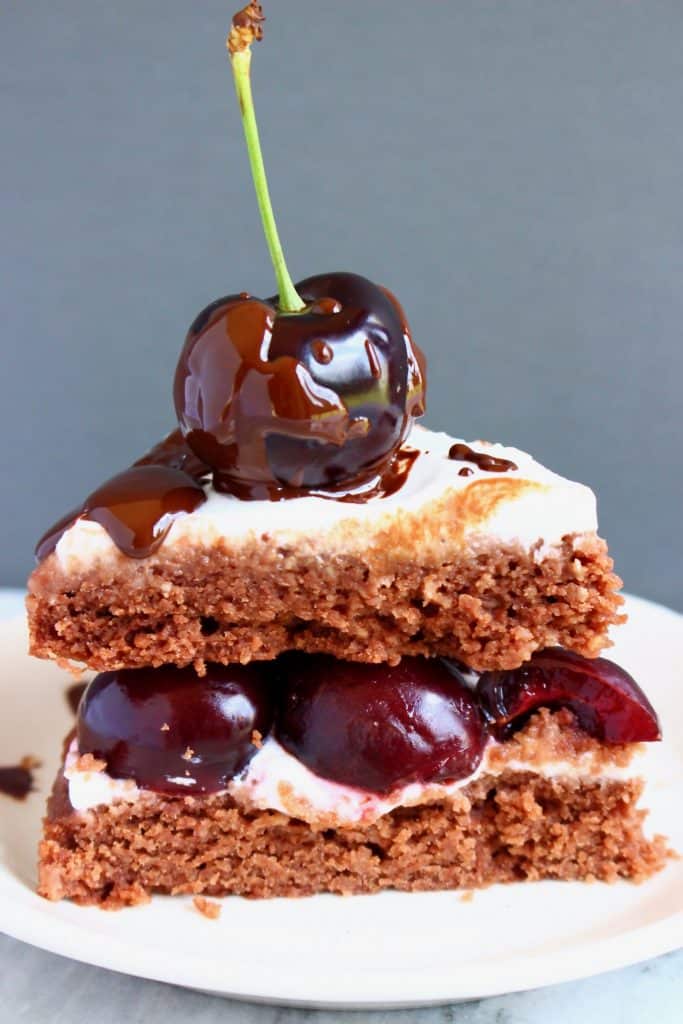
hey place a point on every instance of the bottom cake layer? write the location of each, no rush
(513, 826)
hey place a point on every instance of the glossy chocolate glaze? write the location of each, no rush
(51, 538)
(137, 507)
(390, 480)
(489, 463)
(285, 404)
(173, 454)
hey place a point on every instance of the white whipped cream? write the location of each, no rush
(547, 513)
(273, 779)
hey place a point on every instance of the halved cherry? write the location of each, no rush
(377, 727)
(606, 700)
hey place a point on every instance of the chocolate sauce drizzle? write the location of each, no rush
(283, 405)
(17, 780)
(137, 507)
(489, 463)
(388, 482)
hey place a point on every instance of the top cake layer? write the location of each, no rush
(483, 564)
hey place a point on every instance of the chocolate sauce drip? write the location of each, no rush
(73, 696)
(465, 471)
(373, 361)
(51, 538)
(17, 780)
(135, 526)
(390, 480)
(326, 306)
(489, 463)
(322, 352)
(287, 404)
(417, 364)
(137, 507)
(236, 386)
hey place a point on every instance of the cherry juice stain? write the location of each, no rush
(17, 780)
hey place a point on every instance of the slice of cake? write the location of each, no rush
(337, 652)
(321, 776)
(480, 554)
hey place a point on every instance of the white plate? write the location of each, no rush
(392, 949)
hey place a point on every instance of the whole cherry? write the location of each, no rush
(320, 399)
(377, 727)
(314, 389)
(172, 731)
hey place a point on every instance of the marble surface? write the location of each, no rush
(40, 987)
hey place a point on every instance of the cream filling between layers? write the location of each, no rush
(275, 780)
(544, 514)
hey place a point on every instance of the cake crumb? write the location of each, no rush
(189, 754)
(207, 908)
(88, 763)
(257, 739)
(74, 669)
(165, 727)
(467, 896)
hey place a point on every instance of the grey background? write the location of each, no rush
(512, 170)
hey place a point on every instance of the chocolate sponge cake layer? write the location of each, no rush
(490, 606)
(505, 828)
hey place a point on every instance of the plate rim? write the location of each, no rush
(281, 988)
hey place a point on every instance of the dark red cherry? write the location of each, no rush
(606, 700)
(377, 727)
(172, 730)
(289, 402)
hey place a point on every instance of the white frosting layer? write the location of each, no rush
(556, 508)
(274, 779)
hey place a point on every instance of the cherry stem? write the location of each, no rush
(289, 300)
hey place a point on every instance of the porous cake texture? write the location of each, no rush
(487, 568)
(505, 826)
(491, 606)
